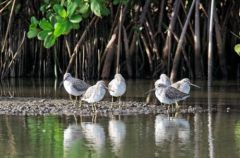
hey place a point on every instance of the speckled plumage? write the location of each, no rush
(169, 95)
(183, 85)
(74, 86)
(163, 79)
(117, 87)
(95, 93)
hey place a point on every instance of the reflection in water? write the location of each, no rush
(72, 135)
(166, 129)
(95, 135)
(117, 133)
(138, 136)
(210, 133)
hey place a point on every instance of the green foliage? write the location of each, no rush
(237, 46)
(60, 17)
(237, 49)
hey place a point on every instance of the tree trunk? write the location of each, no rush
(177, 56)
(135, 35)
(210, 53)
(221, 52)
(168, 41)
(197, 55)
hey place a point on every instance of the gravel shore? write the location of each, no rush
(38, 106)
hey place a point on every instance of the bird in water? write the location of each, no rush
(74, 86)
(184, 85)
(117, 86)
(95, 93)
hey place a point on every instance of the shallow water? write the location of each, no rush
(210, 134)
(214, 135)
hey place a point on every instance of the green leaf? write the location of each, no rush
(96, 7)
(71, 8)
(68, 27)
(104, 11)
(49, 41)
(75, 19)
(75, 26)
(237, 49)
(43, 34)
(32, 33)
(34, 20)
(115, 2)
(84, 8)
(45, 25)
(60, 10)
(60, 28)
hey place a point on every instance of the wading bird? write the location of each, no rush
(95, 93)
(117, 87)
(74, 86)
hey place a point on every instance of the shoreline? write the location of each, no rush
(24, 106)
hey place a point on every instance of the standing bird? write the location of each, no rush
(168, 94)
(184, 85)
(74, 86)
(95, 93)
(164, 79)
(117, 87)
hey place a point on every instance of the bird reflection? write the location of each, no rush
(170, 128)
(95, 135)
(72, 135)
(117, 133)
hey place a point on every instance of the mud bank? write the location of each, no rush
(39, 106)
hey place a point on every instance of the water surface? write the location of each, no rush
(214, 135)
(210, 134)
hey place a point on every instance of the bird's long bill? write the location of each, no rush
(195, 85)
(149, 91)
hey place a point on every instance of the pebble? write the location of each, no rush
(39, 106)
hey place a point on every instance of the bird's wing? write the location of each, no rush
(111, 86)
(176, 85)
(80, 85)
(173, 93)
(89, 92)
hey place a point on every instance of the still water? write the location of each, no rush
(199, 135)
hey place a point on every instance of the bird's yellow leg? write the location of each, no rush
(177, 106)
(75, 118)
(80, 103)
(119, 102)
(112, 103)
(95, 107)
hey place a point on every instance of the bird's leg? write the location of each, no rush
(75, 118)
(93, 107)
(119, 102)
(75, 102)
(168, 109)
(112, 103)
(177, 106)
(80, 103)
(95, 120)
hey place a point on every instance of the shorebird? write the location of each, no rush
(74, 86)
(117, 87)
(164, 79)
(95, 93)
(184, 85)
(168, 94)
